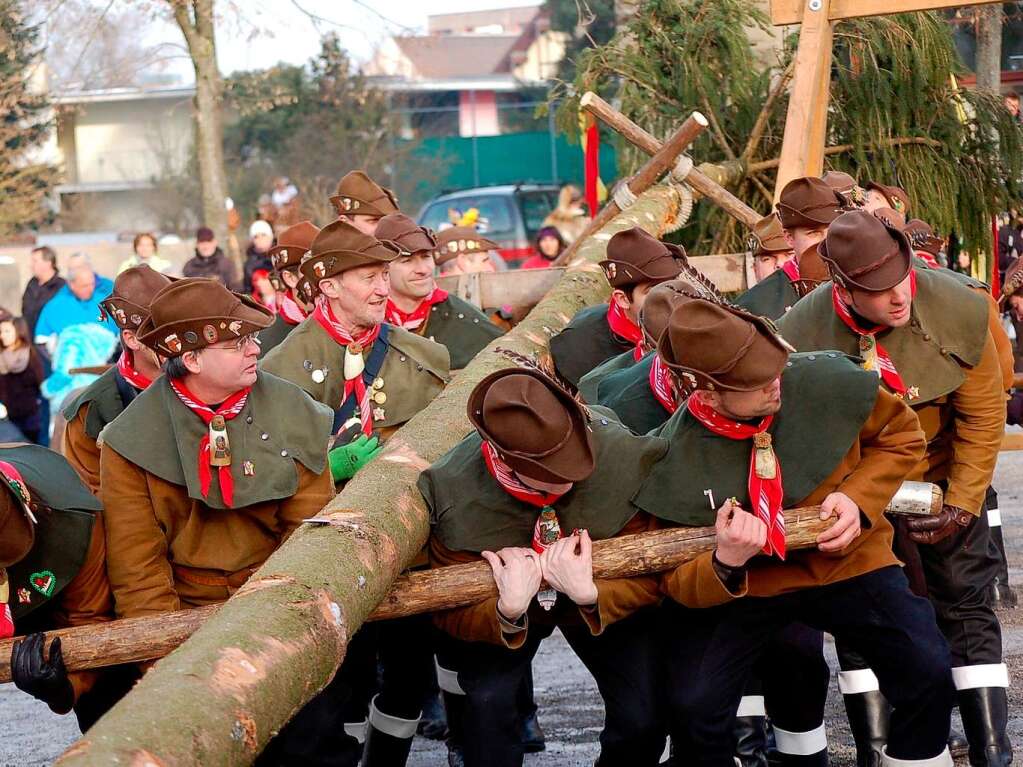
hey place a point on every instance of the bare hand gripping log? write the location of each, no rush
(137, 639)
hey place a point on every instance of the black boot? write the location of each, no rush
(751, 741)
(1002, 595)
(533, 738)
(985, 713)
(454, 706)
(433, 724)
(388, 739)
(820, 759)
(957, 745)
(868, 714)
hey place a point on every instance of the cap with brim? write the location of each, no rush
(292, 244)
(17, 533)
(768, 237)
(359, 195)
(198, 312)
(660, 302)
(537, 427)
(339, 247)
(134, 289)
(456, 240)
(635, 256)
(897, 197)
(865, 252)
(721, 347)
(922, 236)
(405, 235)
(810, 203)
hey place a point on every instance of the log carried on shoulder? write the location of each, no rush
(132, 640)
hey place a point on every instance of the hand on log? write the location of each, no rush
(131, 640)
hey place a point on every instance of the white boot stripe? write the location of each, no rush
(801, 743)
(944, 759)
(986, 675)
(391, 725)
(857, 681)
(751, 705)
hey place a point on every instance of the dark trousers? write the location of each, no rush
(711, 653)
(794, 677)
(622, 660)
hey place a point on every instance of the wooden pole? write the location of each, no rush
(222, 694)
(138, 639)
(655, 167)
(638, 137)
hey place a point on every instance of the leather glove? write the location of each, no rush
(931, 530)
(348, 459)
(45, 680)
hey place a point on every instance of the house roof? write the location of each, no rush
(122, 94)
(453, 56)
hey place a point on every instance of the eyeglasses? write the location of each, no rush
(240, 344)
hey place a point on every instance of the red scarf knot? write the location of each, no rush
(354, 386)
(623, 327)
(662, 384)
(230, 408)
(414, 320)
(764, 484)
(126, 367)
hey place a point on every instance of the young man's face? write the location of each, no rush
(802, 237)
(887, 307)
(360, 294)
(633, 305)
(41, 268)
(739, 405)
(412, 276)
(365, 224)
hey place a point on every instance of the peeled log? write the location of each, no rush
(278, 641)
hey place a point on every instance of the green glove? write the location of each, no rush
(348, 459)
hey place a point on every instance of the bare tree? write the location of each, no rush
(989, 47)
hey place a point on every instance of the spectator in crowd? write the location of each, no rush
(263, 289)
(570, 216)
(21, 374)
(75, 303)
(145, 249)
(549, 245)
(1012, 104)
(961, 263)
(265, 210)
(209, 260)
(284, 192)
(42, 287)
(257, 254)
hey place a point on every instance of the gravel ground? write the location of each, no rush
(570, 709)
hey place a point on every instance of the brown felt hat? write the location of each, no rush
(198, 312)
(635, 256)
(809, 202)
(339, 247)
(359, 195)
(460, 239)
(134, 289)
(17, 533)
(405, 234)
(717, 346)
(537, 427)
(660, 303)
(292, 244)
(897, 198)
(812, 268)
(866, 251)
(840, 181)
(768, 237)
(922, 237)
(1013, 280)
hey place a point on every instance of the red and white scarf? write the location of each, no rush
(791, 269)
(885, 367)
(928, 258)
(766, 495)
(356, 387)
(623, 327)
(17, 484)
(126, 367)
(413, 320)
(231, 407)
(662, 384)
(290, 310)
(505, 477)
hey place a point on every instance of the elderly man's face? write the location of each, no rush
(83, 284)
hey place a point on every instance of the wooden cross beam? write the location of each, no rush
(802, 151)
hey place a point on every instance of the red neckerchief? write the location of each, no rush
(231, 407)
(13, 479)
(886, 368)
(927, 258)
(662, 384)
(791, 269)
(126, 367)
(6, 619)
(356, 386)
(290, 310)
(412, 320)
(765, 494)
(547, 529)
(623, 327)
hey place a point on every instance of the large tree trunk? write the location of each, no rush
(220, 697)
(195, 18)
(989, 47)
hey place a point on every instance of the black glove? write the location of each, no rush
(931, 530)
(46, 680)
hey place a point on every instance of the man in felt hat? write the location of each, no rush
(53, 575)
(636, 262)
(292, 302)
(845, 185)
(463, 250)
(769, 246)
(926, 336)
(882, 196)
(362, 202)
(419, 306)
(772, 431)
(528, 491)
(137, 367)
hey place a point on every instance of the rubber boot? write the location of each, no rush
(801, 749)
(944, 759)
(868, 714)
(1002, 595)
(985, 714)
(388, 739)
(751, 741)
